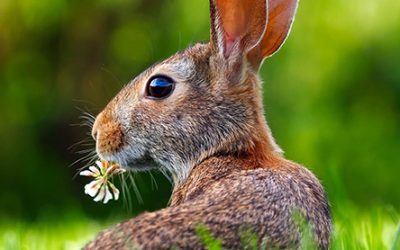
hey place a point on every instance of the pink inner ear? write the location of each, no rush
(242, 23)
(229, 44)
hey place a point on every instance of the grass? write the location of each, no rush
(370, 228)
(355, 228)
(69, 232)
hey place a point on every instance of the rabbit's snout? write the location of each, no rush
(107, 133)
(94, 132)
(95, 128)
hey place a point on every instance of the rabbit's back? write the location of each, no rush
(264, 202)
(271, 201)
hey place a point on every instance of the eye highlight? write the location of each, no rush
(159, 87)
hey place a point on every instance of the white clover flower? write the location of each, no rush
(101, 188)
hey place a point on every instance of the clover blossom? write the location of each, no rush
(101, 188)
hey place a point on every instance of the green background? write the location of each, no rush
(332, 98)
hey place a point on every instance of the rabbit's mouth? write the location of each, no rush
(132, 158)
(132, 162)
(143, 164)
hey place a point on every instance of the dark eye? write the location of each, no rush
(160, 87)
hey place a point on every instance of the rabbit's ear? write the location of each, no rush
(237, 26)
(280, 18)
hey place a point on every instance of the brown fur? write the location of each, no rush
(112, 137)
(226, 199)
(211, 135)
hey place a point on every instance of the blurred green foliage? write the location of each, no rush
(332, 94)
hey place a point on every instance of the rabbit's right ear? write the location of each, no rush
(281, 14)
(237, 26)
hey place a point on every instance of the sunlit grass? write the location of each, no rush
(366, 228)
(65, 233)
(369, 228)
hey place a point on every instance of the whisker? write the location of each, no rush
(85, 151)
(88, 159)
(112, 75)
(90, 162)
(135, 188)
(84, 142)
(153, 181)
(84, 111)
(88, 144)
(90, 155)
(84, 123)
(169, 178)
(127, 199)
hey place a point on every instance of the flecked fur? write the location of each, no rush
(211, 135)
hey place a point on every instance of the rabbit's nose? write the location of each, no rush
(95, 128)
(94, 133)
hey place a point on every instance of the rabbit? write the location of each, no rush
(198, 115)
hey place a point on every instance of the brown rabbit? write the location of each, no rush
(199, 116)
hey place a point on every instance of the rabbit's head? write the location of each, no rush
(203, 101)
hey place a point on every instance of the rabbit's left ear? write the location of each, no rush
(237, 26)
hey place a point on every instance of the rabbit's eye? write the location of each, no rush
(160, 87)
